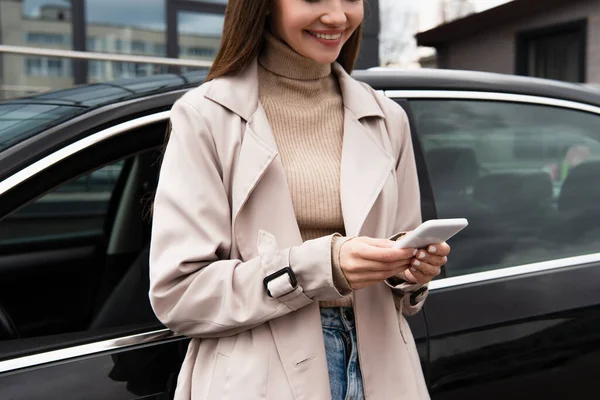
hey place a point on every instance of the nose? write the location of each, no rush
(335, 15)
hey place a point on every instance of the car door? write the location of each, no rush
(418, 322)
(76, 321)
(518, 312)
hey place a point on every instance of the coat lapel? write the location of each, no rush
(365, 164)
(259, 196)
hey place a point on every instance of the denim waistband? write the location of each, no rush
(338, 318)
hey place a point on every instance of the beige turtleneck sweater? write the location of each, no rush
(303, 103)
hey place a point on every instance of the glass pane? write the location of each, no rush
(556, 56)
(524, 176)
(126, 27)
(35, 23)
(59, 248)
(199, 35)
(131, 27)
(76, 207)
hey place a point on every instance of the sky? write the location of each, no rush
(429, 12)
(430, 17)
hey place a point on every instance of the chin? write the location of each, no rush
(324, 58)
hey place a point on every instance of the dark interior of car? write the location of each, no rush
(91, 282)
(512, 213)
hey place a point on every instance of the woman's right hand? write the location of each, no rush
(366, 261)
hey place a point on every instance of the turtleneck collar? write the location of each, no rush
(279, 58)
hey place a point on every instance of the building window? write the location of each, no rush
(96, 69)
(95, 44)
(160, 49)
(42, 66)
(554, 53)
(33, 66)
(45, 38)
(137, 46)
(55, 67)
(125, 70)
(200, 51)
(121, 45)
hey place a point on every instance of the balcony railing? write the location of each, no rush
(85, 55)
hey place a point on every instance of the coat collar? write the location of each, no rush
(239, 93)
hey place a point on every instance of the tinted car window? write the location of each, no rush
(76, 207)
(522, 174)
(75, 261)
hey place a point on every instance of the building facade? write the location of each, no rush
(185, 29)
(556, 39)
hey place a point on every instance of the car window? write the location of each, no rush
(74, 261)
(77, 207)
(524, 175)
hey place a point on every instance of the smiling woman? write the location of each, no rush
(251, 254)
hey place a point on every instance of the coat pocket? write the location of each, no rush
(219, 375)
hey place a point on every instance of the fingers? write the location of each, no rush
(415, 275)
(373, 278)
(366, 261)
(362, 266)
(442, 249)
(432, 259)
(380, 250)
(384, 243)
(425, 269)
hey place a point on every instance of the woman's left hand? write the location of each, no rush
(427, 263)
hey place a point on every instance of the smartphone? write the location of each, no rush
(431, 232)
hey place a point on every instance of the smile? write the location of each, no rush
(326, 37)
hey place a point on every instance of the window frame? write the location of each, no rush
(516, 270)
(523, 39)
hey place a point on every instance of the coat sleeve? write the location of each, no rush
(408, 216)
(195, 288)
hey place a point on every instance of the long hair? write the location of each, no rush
(243, 30)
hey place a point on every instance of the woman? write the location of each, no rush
(252, 256)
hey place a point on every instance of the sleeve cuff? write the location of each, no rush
(311, 263)
(339, 280)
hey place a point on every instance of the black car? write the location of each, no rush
(515, 314)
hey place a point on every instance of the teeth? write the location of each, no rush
(328, 37)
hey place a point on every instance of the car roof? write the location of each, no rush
(98, 94)
(25, 117)
(444, 79)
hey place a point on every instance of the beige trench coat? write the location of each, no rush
(224, 220)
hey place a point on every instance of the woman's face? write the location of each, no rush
(316, 29)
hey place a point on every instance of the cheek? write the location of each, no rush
(292, 25)
(356, 16)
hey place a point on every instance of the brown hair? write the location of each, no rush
(245, 22)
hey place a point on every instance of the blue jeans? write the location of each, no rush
(341, 351)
